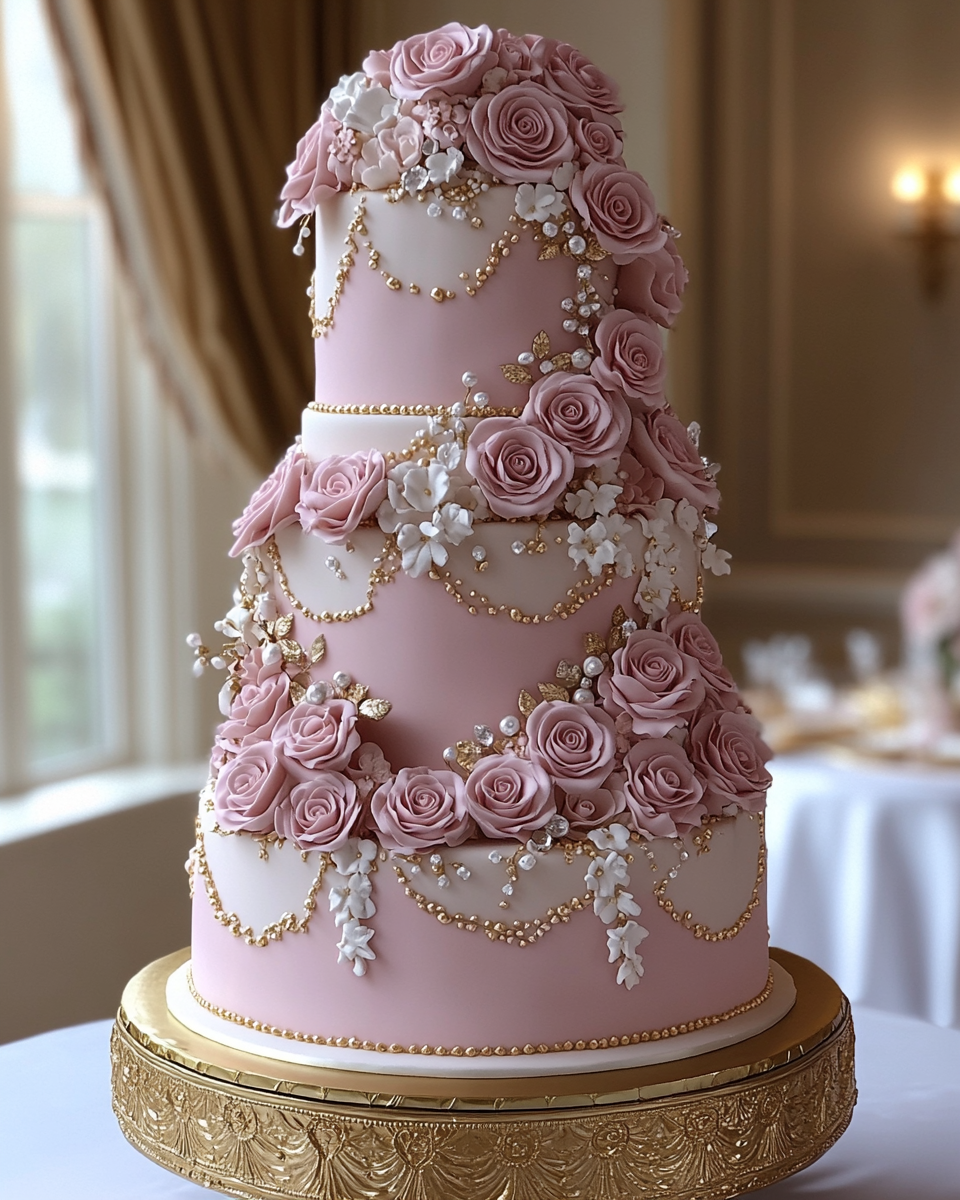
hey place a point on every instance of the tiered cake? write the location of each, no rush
(485, 798)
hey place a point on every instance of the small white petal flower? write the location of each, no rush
(225, 698)
(425, 488)
(716, 560)
(622, 942)
(540, 201)
(686, 516)
(354, 946)
(420, 548)
(449, 454)
(629, 972)
(563, 176)
(454, 522)
(627, 905)
(444, 166)
(613, 837)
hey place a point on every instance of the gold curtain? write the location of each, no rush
(189, 111)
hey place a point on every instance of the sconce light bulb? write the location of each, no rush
(909, 185)
(951, 186)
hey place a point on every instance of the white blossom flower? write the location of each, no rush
(592, 498)
(629, 972)
(563, 175)
(715, 560)
(590, 546)
(354, 947)
(686, 516)
(445, 165)
(454, 522)
(351, 900)
(420, 547)
(470, 496)
(356, 854)
(360, 105)
(225, 698)
(622, 942)
(540, 201)
(371, 770)
(425, 488)
(613, 837)
(627, 905)
(449, 455)
(655, 592)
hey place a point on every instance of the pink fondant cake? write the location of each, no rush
(485, 797)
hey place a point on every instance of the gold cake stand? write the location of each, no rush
(716, 1125)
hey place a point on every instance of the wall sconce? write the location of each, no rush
(930, 209)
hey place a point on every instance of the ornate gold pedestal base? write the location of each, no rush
(717, 1125)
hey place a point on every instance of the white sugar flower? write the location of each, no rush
(629, 972)
(361, 106)
(414, 180)
(424, 488)
(354, 947)
(225, 698)
(470, 496)
(715, 560)
(454, 522)
(444, 166)
(686, 516)
(449, 454)
(627, 905)
(590, 546)
(655, 592)
(655, 527)
(613, 837)
(420, 547)
(356, 854)
(592, 498)
(537, 203)
(622, 941)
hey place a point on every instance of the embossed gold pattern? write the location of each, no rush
(604, 1043)
(732, 1125)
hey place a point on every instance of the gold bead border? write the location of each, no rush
(410, 410)
(378, 577)
(708, 1144)
(476, 602)
(605, 1043)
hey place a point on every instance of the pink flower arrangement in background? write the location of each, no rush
(273, 505)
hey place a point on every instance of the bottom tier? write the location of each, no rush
(713, 1126)
(487, 951)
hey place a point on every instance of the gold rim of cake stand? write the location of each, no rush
(715, 1125)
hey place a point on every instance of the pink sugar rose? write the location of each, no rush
(452, 59)
(661, 789)
(443, 120)
(317, 737)
(521, 57)
(654, 681)
(273, 505)
(376, 67)
(387, 155)
(599, 141)
(341, 493)
(654, 284)
(421, 808)
(576, 412)
(593, 809)
(320, 814)
(581, 84)
(520, 135)
(509, 796)
(696, 640)
(575, 744)
(661, 443)
(521, 470)
(619, 207)
(630, 357)
(729, 753)
(641, 488)
(249, 789)
(256, 710)
(309, 177)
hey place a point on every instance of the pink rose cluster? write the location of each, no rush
(330, 498)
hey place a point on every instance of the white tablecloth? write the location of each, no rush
(864, 879)
(59, 1141)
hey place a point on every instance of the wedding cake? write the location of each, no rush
(485, 798)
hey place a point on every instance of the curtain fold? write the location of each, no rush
(189, 111)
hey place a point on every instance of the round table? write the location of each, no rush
(864, 879)
(59, 1140)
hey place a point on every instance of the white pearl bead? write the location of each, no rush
(584, 271)
(469, 379)
(582, 696)
(527, 862)
(507, 889)
(546, 366)
(299, 250)
(592, 665)
(517, 547)
(217, 663)
(569, 227)
(509, 726)
(550, 229)
(525, 358)
(463, 872)
(570, 325)
(342, 679)
(194, 639)
(450, 754)
(443, 882)
(481, 399)
(460, 213)
(577, 245)
(494, 856)
(316, 693)
(479, 554)
(434, 209)
(581, 358)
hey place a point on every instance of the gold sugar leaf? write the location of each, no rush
(318, 649)
(282, 626)
(303, 680)
(514, 373)
(467, 754)
(617, 638)
(297, 692)
(541, 344)
(292, 651)
(376, 710)
(593, 643)
(551, 250)
(562, 362)
(619, 616)
(357, 692)
(552, 691)
(568, 673)
(595, 252)
(526, 703)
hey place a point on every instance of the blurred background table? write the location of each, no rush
(58, 1137)
(864, 878)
